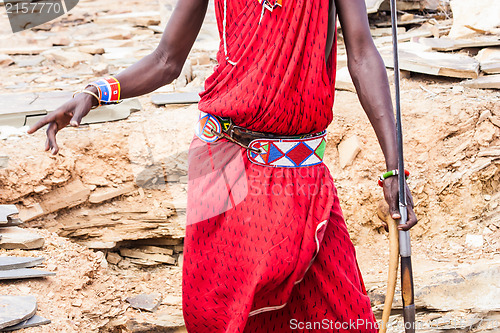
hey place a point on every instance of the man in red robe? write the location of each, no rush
(266, 246)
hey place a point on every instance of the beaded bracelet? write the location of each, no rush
(109, 90)
(390, 174)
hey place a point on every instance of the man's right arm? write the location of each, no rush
(153, 71)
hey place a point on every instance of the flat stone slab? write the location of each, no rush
(484, 82)
(348, 150)
(24, 273)
(18, 238)
(27, 108)
(29, 61)
(8, 263)
(165, 323)
(489, 59)
(15, 309)
(6, 211)
(434, 63)
(148, 302)
(100, 196)
(102, 114)
(467, 286)
(450, 44)
(32, 322)
(12, 223)
(372, 6)
(4, 162)
(136, 254)
(176, 98)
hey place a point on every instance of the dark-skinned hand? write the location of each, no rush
(159, 68)
(70, 113)
(391, 194)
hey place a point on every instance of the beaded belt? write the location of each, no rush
(265, 149)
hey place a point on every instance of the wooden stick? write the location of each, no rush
(392, 277)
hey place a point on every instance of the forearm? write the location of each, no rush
(147, 75)
(370, 79)
(165, 64)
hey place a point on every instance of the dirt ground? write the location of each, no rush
(454, 184)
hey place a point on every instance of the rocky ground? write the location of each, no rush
(451, 140)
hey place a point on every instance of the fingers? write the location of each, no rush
(42, 122)
(393, 200)
(71, 112)
(412, 219)
(51, 138)
(391, 193)
(409, 197)
(394, 209)
(77, 116)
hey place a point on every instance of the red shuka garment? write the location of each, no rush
(281, 82)
(267, 249)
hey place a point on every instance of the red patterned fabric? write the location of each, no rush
(267, 249)
(281, 82)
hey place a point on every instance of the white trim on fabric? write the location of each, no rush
(317, 249)
(272, 308)
(269, 308)
(316, 236)
(224, 23)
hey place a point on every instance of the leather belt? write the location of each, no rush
(265, 149)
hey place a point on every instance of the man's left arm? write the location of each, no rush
(370, 79)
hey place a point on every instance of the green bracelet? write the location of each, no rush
(390, 174)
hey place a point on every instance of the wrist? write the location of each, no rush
(391, 166)
(84, 98)
(94, 90)
(391, 174)
(391, 163)
(87, 100)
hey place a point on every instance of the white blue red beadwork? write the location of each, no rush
(270, 4)
(288, 153)
(109, 90)
(206, 126)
